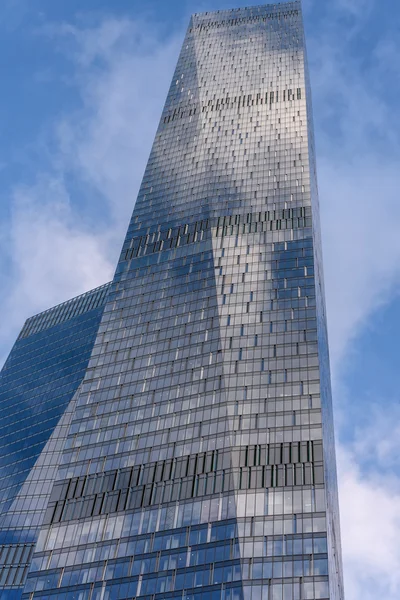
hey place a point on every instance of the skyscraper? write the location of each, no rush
(194, 455)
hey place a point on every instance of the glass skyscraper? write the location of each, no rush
(170, 434)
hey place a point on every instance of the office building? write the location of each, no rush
(195, 459)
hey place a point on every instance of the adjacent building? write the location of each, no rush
(37, 387)
(181, 425)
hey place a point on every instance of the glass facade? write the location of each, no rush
(198, 459)
(37, 385)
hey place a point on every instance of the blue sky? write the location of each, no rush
(83, 84)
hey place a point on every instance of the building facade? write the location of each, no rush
(196, 457)
(37, 386)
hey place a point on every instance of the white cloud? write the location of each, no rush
(357, 8)
(53, 256)
(55, 249)
(378, 440)
(370, 523)
(124, 72)
(361, 212)
(358, 180)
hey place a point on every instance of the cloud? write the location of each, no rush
(360, 213)
(123, 72)
(378, 440)
(357, 8)
(370, 523)
(358, 156)
(358, 179)
(369, 493)
(67, 227)
(52, 255)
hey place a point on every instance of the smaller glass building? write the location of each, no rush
(37, 384)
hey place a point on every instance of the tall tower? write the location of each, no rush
(198, 457)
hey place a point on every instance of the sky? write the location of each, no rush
(83, 86)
